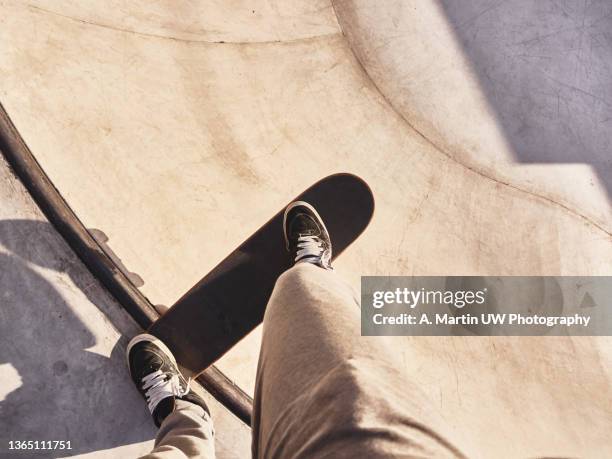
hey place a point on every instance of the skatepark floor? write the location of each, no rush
(63, 374)
(175, 129)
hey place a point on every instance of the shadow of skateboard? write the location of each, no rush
(230, 301)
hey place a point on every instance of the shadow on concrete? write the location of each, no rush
(66, 392)
(546, 69)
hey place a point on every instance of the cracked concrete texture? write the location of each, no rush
(214, 21)
(179, 38)
(491, 84)
(62, 358)
(178, 151)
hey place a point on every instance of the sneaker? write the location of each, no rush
(156, 375)
(306, 237)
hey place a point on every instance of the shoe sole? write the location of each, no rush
(151, 339)
(312, 209)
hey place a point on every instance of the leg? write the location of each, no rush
(322, 390)
(186, 428)
(187, 432)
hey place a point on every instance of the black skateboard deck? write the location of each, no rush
(230, 301)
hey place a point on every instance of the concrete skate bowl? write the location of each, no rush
(176, 129)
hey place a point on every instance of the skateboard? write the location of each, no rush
(230, 301)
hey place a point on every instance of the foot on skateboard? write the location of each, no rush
(157, 377)
(306, 237)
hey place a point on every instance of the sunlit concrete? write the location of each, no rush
(177, 130)
(518, 91)
(62, 355)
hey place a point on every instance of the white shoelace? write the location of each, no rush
(310, 248)
(158, 386)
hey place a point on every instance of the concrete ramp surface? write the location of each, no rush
(175, 129)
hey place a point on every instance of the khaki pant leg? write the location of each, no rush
(186, 433)
(323, 390)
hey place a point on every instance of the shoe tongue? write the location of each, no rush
(151, 363)
(163, 409)
(303, 226)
